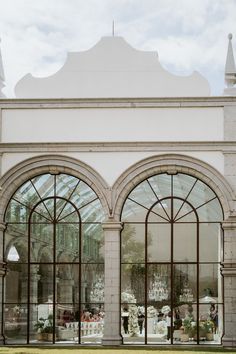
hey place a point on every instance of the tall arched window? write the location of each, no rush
(54, 250)
(170, 262)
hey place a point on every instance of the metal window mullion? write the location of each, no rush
(54, 264)
(198, 339)
(172, 263)
(28, 281)
(145, 293)
(80, 261)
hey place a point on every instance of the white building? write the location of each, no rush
(118, 196)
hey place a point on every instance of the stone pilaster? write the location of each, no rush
(229, 274)
(112, 335)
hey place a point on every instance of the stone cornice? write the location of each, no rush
(226, 147)
(150, 102)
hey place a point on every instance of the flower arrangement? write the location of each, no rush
(133, 321)
(127, 297)
(207, 326)
(151, 311)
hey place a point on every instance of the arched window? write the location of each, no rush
(54, 250)
(170, 262)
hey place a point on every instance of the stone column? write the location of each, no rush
(3, 271)
(229, 274)
(112, 335)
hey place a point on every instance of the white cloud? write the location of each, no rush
(188, 35)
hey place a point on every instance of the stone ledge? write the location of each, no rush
(229, 342)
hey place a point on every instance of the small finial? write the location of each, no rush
(113, 28)
(230, 68)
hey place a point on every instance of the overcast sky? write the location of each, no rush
(187, 34)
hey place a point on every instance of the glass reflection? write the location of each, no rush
(133, 243)
(52, 282)
(15, 323)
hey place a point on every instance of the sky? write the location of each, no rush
(189, 35)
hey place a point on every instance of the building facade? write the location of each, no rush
(118, 204)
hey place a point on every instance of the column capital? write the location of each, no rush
(228, 269)
(112, 225)
(230, 223)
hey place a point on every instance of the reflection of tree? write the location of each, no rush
(132, 250)
(133, 257)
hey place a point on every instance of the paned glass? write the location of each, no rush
(92, 322)
(67, 283)
(67, 242)
(209, 283)
(67, 322)
(65, 185)
(211, 211)
(185, 242)
(17, 212)
(200, 194)
(185, 283)
(41, 241)
(92, 212)
(133, 243)
(158, 242)
(92, 283)
(17, 250)
(82, 195)
(183, 212)
(14, 326)
(144, 194)
(161, 184)
(45, 185)
(158, 284)
(41, 283)
(17, 275)
(133, 212)
(182, 185)
(209, 242)
(92, 243)
(132, 280)
(161, 211)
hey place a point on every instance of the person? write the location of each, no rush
(140, 321)
(168, 324)
(214, 316)
(125, 318)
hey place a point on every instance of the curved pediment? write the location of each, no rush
(112, 68)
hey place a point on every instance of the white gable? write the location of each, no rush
(112, 68)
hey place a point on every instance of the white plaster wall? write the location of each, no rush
(140, 124)
(110, 165)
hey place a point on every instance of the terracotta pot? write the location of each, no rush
(184, 337)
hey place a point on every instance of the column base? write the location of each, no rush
(229, 342)
(112, 340)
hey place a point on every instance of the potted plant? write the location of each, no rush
(48, 328)
(188, 329)
(208, 327)
(45, 328)
(39, 327)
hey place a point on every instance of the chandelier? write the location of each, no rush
(97, 292)
(158, 289)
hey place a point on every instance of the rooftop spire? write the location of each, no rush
(230, 70)
(2, 76)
